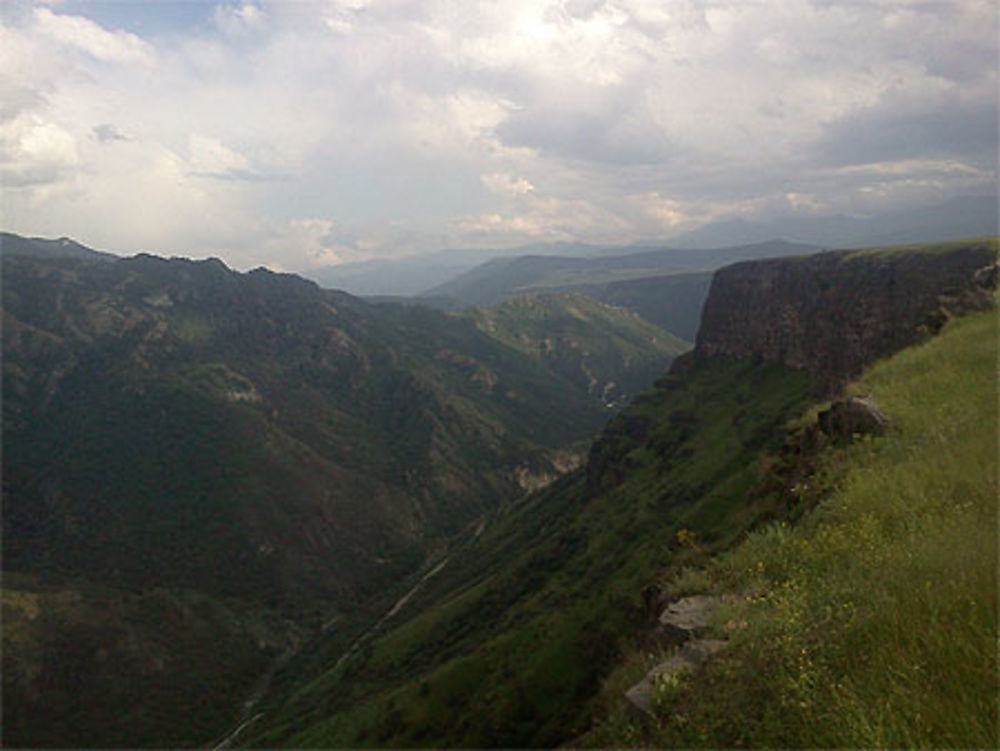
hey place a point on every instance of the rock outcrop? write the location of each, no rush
(687, 617)
(683, 619)
(851, 416)
(687, 660)
(832, 314)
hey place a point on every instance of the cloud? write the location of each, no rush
(950, 124)
(209, 157)
(504, 184)
(317, 132)
(107, 133)
(34, 152)
(239, 19)
(307, 239)
(83, 34)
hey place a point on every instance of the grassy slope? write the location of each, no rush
(604, 349)
(873, 622)
(508, 644)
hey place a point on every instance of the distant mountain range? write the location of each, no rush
(972, 216)
(664, 287)
(418, 274)
(412, 275)
(506, 277)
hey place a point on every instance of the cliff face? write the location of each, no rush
(832, 313)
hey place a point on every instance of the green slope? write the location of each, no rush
(608, 351)
(90, 666)
(873, 622)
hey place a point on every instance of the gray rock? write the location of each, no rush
(689, 658)
(987, 276)
(855, 414)
(688, 616)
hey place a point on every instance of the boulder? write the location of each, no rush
(986, 277)
(689, 658)
(851, 416)
(687, 617)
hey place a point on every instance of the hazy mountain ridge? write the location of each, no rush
(967, 216)
(40, 247)
(506, 277)
(418, 273)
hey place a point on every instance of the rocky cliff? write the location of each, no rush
(831, 314)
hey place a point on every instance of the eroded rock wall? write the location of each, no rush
(833, 313)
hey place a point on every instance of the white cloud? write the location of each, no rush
(306, 241)
(81, 33)
(210, 157)
(239, 19)
(35, 152)
(342, 129)
(504, 184)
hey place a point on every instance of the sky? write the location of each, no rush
(301, 134)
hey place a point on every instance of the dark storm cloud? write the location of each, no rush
(942, 128)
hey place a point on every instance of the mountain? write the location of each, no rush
(411, 275)
(239, 508)
(585, 341)
(196, 457)
(876, 606)
(664, 287)
(38, 247)
(507, 277)
(672, 302)
(531, 630)
(416, 274)
(968, 216)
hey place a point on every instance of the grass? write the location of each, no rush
(873, 622)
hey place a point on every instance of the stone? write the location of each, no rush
(851, 416)
(987, 276)
(689, 615)
(689, 658)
